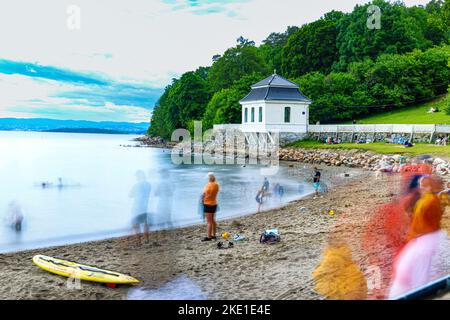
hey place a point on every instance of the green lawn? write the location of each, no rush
(412, 115)
(379, 147)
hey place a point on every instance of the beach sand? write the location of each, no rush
(248, 271)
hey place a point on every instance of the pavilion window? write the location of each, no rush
(253, 114)
(260, 114)
(246, 115)
(287, 114)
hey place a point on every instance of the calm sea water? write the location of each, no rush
(97, 174)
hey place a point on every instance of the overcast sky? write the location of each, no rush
(115, 66)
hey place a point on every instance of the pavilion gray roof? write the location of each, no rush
(275, 87)
(275, 81)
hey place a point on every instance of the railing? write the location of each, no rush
(381, 128)
(334, 128)
(260, 127)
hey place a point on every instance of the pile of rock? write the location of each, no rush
(441, 166)
(153, 142)
(355, 159)
(348, 158)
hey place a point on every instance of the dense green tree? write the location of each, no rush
(182, 101)
(393, 80)
(163, 121)
(336, 97)
(272, 48)
(224, 106)
(236, 62)
(402, 30)
(312, 48)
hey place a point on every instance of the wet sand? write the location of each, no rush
(247, 271)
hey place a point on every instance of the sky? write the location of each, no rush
(109, 60)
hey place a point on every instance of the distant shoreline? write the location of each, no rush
(81, 131)
(73, 126)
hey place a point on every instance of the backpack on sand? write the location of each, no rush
(269, 237)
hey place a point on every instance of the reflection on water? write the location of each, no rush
(98, 174)
(179, 288)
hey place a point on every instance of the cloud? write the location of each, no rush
(46, 72)
(204, 7)
(39, 91)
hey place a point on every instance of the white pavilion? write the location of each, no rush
(274, 104)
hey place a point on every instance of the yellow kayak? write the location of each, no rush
(78, 271)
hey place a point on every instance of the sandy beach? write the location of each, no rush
(248, 271)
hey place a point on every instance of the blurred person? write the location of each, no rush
(45, 184)
(386, 232)
(260, 198)
(140, 192)
(278, 190)
(60, 184)
(266, 184)
(316, 181)
(338, 276)
(164, 191)
(210, 203)
(438, 141)
(418, 259)
(15, 216)
(428, 210)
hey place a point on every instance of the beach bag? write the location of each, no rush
(269, 237)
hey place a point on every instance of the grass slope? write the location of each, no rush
(413, 115)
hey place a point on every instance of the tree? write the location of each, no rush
(224, 106)
(336, 97)
(243, 42)
(402, 30)
(272, 47)
(311, 48)
(163, 121)
(181, 102)
(234, 64)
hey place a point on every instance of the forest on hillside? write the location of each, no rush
(348, 69)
